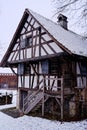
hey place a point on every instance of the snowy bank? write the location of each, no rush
(14, 92)
(34, 123)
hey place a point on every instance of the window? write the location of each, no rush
(22, 44)
(55, 66)
(23, 69)
(45, 67)
(29, 41)
(83, 68)
(20, 70)
(27, 69)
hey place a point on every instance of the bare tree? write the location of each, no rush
(76, 9)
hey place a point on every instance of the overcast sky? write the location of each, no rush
(11, 12)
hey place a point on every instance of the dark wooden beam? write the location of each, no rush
(44, 50)
(35, 44)
(43, 33)
(40, 42)
(54, 39)
(50, 41)
(37, 58)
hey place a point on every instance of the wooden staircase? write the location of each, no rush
(34, 99)
(40, 104)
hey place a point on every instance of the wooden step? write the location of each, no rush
(33, 102)
(39, 104)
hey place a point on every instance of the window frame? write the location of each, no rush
(28, 41)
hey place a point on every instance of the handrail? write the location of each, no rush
(32, 103)
(34, 88)
(30, 99)
(54, 78)
(33, 95)
(27, 98)
(42, 87)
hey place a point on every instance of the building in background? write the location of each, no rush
(8, 81)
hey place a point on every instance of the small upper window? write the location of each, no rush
(20, 69)
(27, 68)
(45, 66)
(29, 41)
(22, 44)
(83, 68)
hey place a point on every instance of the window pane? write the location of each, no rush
(45, 67)
(28, 41)
(22, 43)
(20, 69)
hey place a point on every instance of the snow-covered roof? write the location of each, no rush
(72, 41)
(5, 70)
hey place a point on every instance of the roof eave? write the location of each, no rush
(16, 35)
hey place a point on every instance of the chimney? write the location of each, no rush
(62, 21)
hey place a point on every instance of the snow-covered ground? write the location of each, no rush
(35, 123)
(14, 92)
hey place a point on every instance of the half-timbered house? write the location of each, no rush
(51, 64)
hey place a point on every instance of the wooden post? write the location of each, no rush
(38, 75)
(62, 96)
(6, 98)
(43, 97)
(40, 41)
(23, 104)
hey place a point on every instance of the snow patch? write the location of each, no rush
(34, 123)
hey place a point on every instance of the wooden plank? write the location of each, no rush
(49, 45)
(54, 78)
(43, 33)
(34, 59)
(14, 52)
(19, 48)
(40, 41)
(33, 23)
(51, 36)
(43, 97)
(23, 54)
(29, 81)
(58, 101)
(28, 25)
(62, 101)
(48, 82)
(16, 55)
(38, 75)
(32, 81)
(53, 82)
(34, 69)
(32, 46)
(35, 44)
(44, 50)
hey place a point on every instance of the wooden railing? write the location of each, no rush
(32, 103)
(34, 97)
(53, 86)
